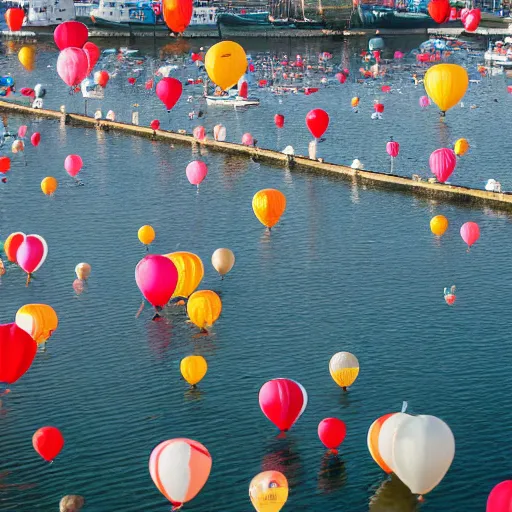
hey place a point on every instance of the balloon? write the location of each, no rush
(146, 234)
(223, 261)
(177, 14)
(398, 55)
(354, 102)
(179, 468)
(332, 432)
(190, 272)
(268, 491)
(392, 149)
(470, 233)
(72, 65)
(344, 369)
(446, 84)
(196, 172)
(442, 163)
(472, 20)
(464, 14)
(83, 271)
(386, 88)
(199, 133)
(438, 225)
(12, 244)
(279, 120)
(268, 205)
(386, 436)
(27, 57)
(373, 442)
(378, 107)
(101, 78)
(204, 308)
(17, 145)
(48, 442)
(225, 63)
(243, 88)
(282, 402)
(17, 351)
(219, 132)
(5, 164)
(14, 18)
(169, 91)
(247, 139)
(341, 77)
(461, 147)
(93, 54)
(49, 185)
(32, 253)
(155, 124)
(35, 139)
(193, 369)
(22, 131)
(38, 320)
(500, 498)
(71, 503)
(317, 121)
(73, 164)
(156, 276)
(70, 34)
(424, 101)
(423, 450)
(132, 80)
(439, 10)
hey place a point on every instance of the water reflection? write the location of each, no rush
(393, 496)
(159, 336)
(332, 475)
(282, 456)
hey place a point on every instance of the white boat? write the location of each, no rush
(83, 11)
(232, 101)
(49, 13)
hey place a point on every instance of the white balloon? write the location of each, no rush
(386, 435)
(423, 450)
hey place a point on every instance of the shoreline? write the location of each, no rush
(444, 192)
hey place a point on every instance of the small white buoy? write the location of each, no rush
(288, 150)
(356, 164)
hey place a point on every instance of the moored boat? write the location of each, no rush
(232, 101)
(244, 19)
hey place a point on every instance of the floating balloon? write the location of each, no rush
(439, 10)
(38, 320)
(378, 107)
(72, 66)
(155, 124)
(461, 147)
(223, 261)
(83, 271)
(179, 468)
(48, 442)
(449, 296)
(32, 254)
(386, 88)
(341, 77)
(446, 84)
(472, 20)
(344, 369)
(470, 233)
(156, 276)
(35, 139)
(279, 120)
(442, 163)
(268, 205)
(190, 272)
(169, 91)
(17, 146)
(354, 102)
(386, 436)
(14, 18)
(199, 133)
(101, 78)
(93, 54)
(5, 164)
(424, 101)
(317, 121)
(243, 88)
(49, 185)
(332, 432)
(70, 34)
(219, 132)
(439, 225)
(177, 14)
(268, 491)
(393, 148)
(12, 244)
(373, 442)
(73, 164)
(225, 63)
(27, 57)
(17, 349)
(204, 308)
(500, 498)
(193, 369)
(146, 234)
(247, 139)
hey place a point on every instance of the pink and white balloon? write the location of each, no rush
(72, 66)
(247, 139)
(199, 133)
(196, 172)
(219, 132)
(424, 101)
(31, 254)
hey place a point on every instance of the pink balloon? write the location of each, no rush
(169, 91)
(500, 498)
(199, 133)
(22, 131)
(398, 55)
(72, 66)
(35, 139)
(464, 14)
(442, 163)
(155, 124)
(341, 77)
(73, 165)
(196, 172)
(424, 101)
(32, 253)
(470, 233)
(393, 148)
(386, 88)
(247, 139)
(93, 54)
(156, 276)
(70, 34)
(219, 132)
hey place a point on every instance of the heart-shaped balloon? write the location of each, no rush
(464, 14)
(32, 253)
(472, 20)
(439, 10)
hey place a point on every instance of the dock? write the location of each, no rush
(435, 191)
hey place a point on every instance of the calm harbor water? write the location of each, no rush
(348, 268)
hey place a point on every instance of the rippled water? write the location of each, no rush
(348, 268)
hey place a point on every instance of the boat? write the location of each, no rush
(243, 19)
(46, 13)
(500, 54)
(83, 11)
(232, 101)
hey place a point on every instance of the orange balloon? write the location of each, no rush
(373, 442)
(268, 205)
(177, 14)
(12, 244)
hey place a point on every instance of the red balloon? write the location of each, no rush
(244, 90)
(169, 91)
(70, 34)
(48, 442)
(279, 120)
(93, 54)
(35, 139)
(27, 91)
(442, 163)
(500, 498)
(17, 351)
(332, 432)
(101, 78)
(317, 122)
(132, 80)
(149, 84)
(386, 88)
(5, 164)
(251, 68)
(282, 401)
(177, 14)
(439, 10)
(341, 77)
(155, 124)
(14, 18)
(379, 107)
(472, 20)
(464, 14)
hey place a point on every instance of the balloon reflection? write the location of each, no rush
(282, 456)
(332, 475)
(159, 337)
(393, 496)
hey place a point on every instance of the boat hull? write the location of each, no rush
(233, 20)
(382, 17)
(231, 102)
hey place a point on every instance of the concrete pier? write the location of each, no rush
(439, 191)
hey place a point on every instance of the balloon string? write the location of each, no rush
(140, 310)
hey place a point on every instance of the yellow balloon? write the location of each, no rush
(344, 368)
(190, 272)
(49, 185)
(225, 63)
(354, 101)
(268, 491)
(146, 234)
(268, 205)
(461, 147)
(203, 308)
(223, 261)
(83, 271)
(446, 85)
(39, 320)
(27, 57)
(193, 369)
(439, 225)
